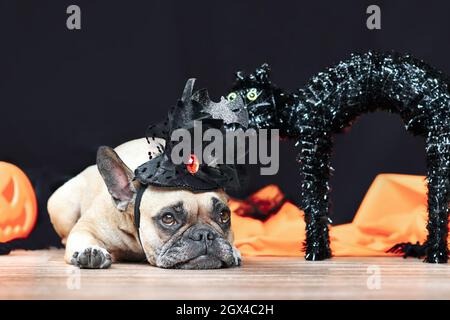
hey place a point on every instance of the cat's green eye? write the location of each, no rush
(231, 96)
(252, 94)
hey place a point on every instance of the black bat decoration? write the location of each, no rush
(329, 102)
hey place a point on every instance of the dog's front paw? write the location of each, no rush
(92, 258)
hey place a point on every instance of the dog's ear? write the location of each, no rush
(117, 176)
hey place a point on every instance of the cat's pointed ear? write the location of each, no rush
(117, 176)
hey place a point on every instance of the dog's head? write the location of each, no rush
(178, 228)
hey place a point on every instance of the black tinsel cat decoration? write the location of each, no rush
(329, 102)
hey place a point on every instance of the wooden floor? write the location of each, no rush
(44, 275)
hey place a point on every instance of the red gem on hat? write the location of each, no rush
(192, 165)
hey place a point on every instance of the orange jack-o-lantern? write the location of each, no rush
(18, 208)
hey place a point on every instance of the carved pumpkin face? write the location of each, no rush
(18, 208)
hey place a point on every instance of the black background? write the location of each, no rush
(63, 93)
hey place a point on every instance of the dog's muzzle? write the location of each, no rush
(199, 247)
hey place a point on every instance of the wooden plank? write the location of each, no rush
(44, 275)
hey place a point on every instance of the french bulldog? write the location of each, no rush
(93, 214)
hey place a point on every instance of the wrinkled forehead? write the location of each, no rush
(155, 199)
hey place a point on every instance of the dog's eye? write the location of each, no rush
(224, 216)
(168, 219)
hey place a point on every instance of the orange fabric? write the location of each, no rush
(393, 211)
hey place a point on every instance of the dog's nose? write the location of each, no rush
(202, 234)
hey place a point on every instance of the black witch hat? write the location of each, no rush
(192, 175)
